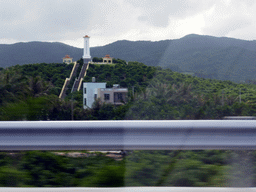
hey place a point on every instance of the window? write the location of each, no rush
(106, 96)
(95, 96)
(84, 101)
(84, 90)
(119, 96)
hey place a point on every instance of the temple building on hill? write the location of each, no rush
(67, 59)
(105, 60)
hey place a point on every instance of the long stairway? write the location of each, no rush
(67, 81)
(78, 82)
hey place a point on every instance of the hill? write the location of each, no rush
(36, 52)
(31, 92)
(164, 94)
(204, 56)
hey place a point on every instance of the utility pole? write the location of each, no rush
(72, 108)
(72, 103)
(222, 97)
(240, 95)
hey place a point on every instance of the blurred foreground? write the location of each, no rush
(209, 168)
(129, 189)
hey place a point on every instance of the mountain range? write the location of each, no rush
(205, 56)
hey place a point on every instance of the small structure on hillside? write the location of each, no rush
(93, 90)
(67, 59)
(105, 60)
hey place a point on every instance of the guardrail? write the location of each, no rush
(131, 189)
(128, 135)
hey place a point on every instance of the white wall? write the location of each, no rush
(91, 89)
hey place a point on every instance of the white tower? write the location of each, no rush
(86, 55)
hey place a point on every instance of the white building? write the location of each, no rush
(90, 93)
(93, 91)
(115, 95)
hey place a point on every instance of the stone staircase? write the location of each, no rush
(78, 82)
(67, 81)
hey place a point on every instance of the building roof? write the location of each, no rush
(107, 56)
(114, 89)
(67, 57)
(86, 36)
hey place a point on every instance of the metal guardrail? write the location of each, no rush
(128, 135)
(131, 189)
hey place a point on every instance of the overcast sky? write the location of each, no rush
(107, 21)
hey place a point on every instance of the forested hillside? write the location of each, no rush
(202, 56)
(158, 94)
(32, 80)
(134, 74)
(172, 95)
(30, 92)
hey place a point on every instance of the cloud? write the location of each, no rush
(158, 13)
(66, 20)
(111, 20)
(148, 19)
(227, 18)
(42, 20)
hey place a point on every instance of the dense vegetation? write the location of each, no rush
(127, 75)
(30, 92)
(173, 95)
(137, 168)
(164, 94)
(45, 169)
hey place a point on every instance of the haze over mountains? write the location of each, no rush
(206, 56)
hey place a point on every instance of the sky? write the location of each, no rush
(107, 21)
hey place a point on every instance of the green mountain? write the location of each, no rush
(36, 52)
(204, 56)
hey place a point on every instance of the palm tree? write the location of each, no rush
(13, 86)
(38, 87)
